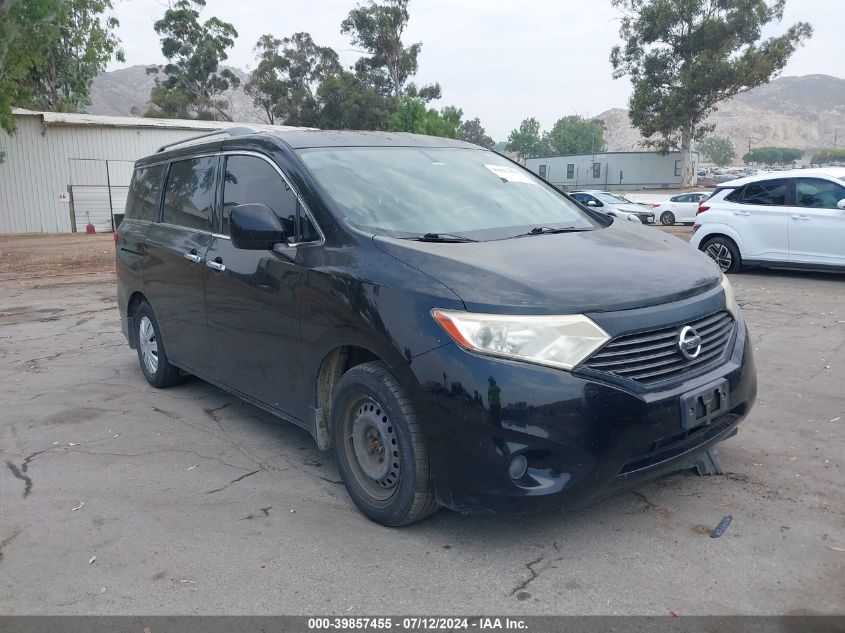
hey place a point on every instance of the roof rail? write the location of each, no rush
(230, 132)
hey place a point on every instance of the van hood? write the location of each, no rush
(619, 267)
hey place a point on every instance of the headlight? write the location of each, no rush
(730, 300)
(556, 341)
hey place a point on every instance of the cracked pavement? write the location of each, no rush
(197, 503)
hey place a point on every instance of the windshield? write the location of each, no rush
(609, 198)
(418, 191)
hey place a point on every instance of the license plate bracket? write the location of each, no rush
(702, 406)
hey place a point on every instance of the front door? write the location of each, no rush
(176, 248)
(252, 297)
(816, 224)
(760, 216)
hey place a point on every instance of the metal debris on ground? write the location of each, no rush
(720, 529)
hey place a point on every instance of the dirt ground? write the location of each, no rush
(27, 255)
(116, 498)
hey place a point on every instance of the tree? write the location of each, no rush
(81, 43)
(829, 156)
(22, 46)
(526, 140)
(773, 155)
(413, 116)
(348, 103)
(576, 135)
(684, 57)
(193, 82)
(377, 28)
(285, 82)
(472, 131)
(717, 149)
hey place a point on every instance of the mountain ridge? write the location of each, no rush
(793, 111)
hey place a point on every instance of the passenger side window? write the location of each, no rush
(765, 193)
(252, 180)
(189, 194)
(817, 193)
(144, 192)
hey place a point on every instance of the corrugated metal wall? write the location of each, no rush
(43, 162)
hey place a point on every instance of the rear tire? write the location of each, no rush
(151, 353)
(667, 218)
(724, 252)
(379, 447)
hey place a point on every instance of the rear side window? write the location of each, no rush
(144, 190)
(252, 180)
(818, 193)
(189, 194)
(764, 193)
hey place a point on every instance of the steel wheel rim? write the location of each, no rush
(372, 449)
(720, 254)
(148, 343)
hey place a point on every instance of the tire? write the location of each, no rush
(724, 252)
(151, 352)
(371, 417)
(667, 218)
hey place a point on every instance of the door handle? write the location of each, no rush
(193, 256)
(216, 264)
(800, 217)
(741, 213)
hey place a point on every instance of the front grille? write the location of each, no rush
(653, 356)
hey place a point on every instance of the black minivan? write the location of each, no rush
(461, 333)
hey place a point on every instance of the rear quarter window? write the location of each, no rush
(142, 203)
(189, 193)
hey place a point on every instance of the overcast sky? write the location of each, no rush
(500, 60)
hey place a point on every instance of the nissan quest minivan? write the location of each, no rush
(461, 333)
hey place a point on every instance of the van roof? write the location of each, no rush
(304, 139)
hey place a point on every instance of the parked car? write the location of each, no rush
(681, 208)
(607, 202)
(458, 330)
(793, 219)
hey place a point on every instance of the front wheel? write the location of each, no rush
(724, 252)
(379, 447)
(667, 218)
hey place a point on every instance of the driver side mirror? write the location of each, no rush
(591, 203)
(255, 227)
(841, 204)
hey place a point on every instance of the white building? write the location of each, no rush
(611, 171)
(63, 170)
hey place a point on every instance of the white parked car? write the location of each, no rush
(681, 208)
(789, 219)
(612, 204)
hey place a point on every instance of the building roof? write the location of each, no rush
(633, 153)
(67, 118)
(296, 137)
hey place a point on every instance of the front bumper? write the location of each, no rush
(584, 438)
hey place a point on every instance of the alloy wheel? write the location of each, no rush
(720, 254)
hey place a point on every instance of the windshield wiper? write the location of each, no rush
(547, 230)
(441, 237)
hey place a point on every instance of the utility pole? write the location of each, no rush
(835, 134)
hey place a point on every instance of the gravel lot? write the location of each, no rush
(116, 498)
